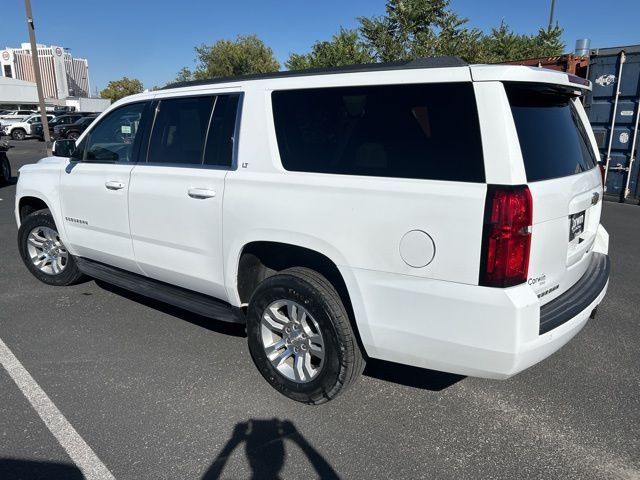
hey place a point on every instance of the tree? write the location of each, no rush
(247, 54)
(117, 89)
(184, 75)
(504, 45)
(344, 48)
(425, 28)
(417, 28)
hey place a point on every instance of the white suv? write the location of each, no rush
(22, 129)
(429, 213)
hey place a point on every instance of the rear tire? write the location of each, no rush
(328, 358)
(43, 253)
(73, 135)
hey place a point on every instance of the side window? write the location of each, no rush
(179, 130)
(112, 138)
(220, 140)
(425, 131)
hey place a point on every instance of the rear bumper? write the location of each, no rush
(466, 329)
(579, 297)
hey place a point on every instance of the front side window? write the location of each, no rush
(425, 131)
(112, 138)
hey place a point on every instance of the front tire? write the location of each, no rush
(73, 135)
(300, 336)
(18, 134)
(43, 252)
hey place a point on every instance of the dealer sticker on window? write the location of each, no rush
(576, 225)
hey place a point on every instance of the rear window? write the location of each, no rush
(553, 140)
(427, 131)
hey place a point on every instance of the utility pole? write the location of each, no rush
(553, 8)
(36, 71)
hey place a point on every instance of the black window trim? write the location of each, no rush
(143, 160)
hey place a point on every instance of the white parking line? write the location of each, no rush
(81, 454)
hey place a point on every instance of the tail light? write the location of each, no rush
(506, 236)
(602, 171)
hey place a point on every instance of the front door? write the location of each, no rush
(175, 198)
(94, 189)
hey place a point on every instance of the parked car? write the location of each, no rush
(23, 129)
(5, 166)
(72, 130)
(429, 213)
(64, 119)
(17, 115)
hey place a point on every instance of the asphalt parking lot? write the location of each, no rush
(159, 393)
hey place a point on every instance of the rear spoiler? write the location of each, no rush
(520, 73)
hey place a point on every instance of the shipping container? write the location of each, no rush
(612, 107)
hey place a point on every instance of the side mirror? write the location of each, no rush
(64, 148)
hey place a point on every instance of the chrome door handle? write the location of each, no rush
(201, 193)
(113, 185)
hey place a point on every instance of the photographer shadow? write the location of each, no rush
(264, 448)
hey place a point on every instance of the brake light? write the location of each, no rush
(506, 240)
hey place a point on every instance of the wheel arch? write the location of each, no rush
(260, 259)
(29, 204)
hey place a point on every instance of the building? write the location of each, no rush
(62, 75)
(17, 94)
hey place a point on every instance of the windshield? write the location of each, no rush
(553, 139)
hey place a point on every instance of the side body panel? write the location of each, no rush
(357, 222)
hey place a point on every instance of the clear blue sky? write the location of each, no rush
(151, 40)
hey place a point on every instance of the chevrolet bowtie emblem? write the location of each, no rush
(594, 198)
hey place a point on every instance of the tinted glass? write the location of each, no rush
(407, 131)
(179, 130)
(112, 138)
(220, 140)
(553, 140)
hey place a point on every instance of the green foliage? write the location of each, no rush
(503, 45)
(247, 54)
(425, 28)
(344, 48)
(184, 75)
(409, 29)
(117, 89)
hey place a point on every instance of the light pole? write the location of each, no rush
(553, 7)
(36, 71)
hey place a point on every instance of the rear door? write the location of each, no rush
(175, 199)
(560, 161)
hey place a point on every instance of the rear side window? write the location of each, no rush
(179, 130)
(427, 131)
(194, 131)
(220, 140)
(552, 137)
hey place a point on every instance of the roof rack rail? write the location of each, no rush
(431, 62)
